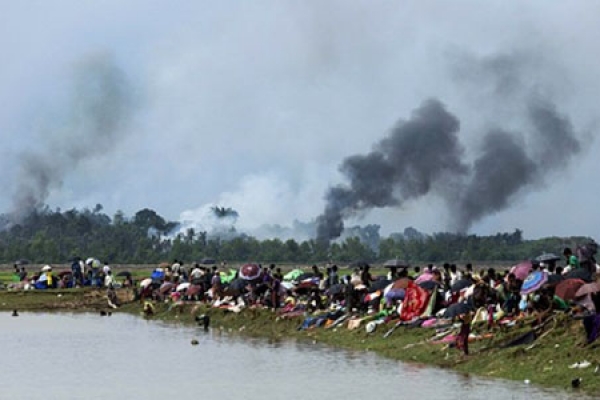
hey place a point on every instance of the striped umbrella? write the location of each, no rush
(534, 281)
(250, 272)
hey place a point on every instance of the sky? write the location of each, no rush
(255, 105)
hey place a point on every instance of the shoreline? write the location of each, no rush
(544, 363)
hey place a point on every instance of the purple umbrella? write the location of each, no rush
(534, 281)
(250, 272)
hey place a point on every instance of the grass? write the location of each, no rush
(544, 364)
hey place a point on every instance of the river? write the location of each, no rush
(86, 356)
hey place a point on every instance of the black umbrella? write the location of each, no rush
(238, 284)
(460, 285)
(335, 289)
(124, 273)
(547, 257)
(208, 261)
(395, 263)
(379, 284)
(304, 276)
(429, 285)
(579, 273)
(457, 309)
(22, 261)
(554, 279)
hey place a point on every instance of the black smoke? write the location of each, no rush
(99, 110)
(424, 155)
(507, 164)
(407, 164)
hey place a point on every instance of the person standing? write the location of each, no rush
(572, 260)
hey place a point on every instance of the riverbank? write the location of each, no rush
(545, 362)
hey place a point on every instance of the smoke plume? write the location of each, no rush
(407, 164)
(100, 107)
(424, 155)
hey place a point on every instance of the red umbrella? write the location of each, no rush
(63, 273)
(568, 288)
(250, 272)
(522, 270)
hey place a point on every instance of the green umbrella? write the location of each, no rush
(293, 275)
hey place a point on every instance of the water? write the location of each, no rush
(86, 356)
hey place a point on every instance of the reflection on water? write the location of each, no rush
(85, 356)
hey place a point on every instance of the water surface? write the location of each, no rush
(86, 356)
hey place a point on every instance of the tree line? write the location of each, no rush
(55, 236)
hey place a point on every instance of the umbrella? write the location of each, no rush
(293, 275)
(457, 309)
(46, 268)
(124, 273)
(588, 288)
(547, 257)
(182, 286)
(566, 289)
(166, 287)
(22, 261)
(63, 273)
(460, 285)
(304, 276)
(395, 263)
(227, 277)
(193, 290)
(379, 284)
(250, 272)
(208, 261)
(238, 284)
(429, 285)
(555, 278)
(521, 270)
(534, 281)
(335, 289)
(579, 273)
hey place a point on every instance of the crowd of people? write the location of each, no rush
(91, 273)
(430, 296)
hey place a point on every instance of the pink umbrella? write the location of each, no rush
(193, 290)
(425, 276)
(522, 270)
